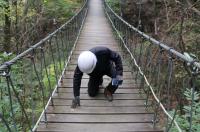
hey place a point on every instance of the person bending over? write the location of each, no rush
(97, 62)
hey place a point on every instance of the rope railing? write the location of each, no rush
(156, 67)
(29, 80)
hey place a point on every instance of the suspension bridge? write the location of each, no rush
(28, 79)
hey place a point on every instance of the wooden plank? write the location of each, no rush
(97, 127)
(72, 68)
(120, 87)
(101, 103)
(105, 80)
(100, 96)
(97, 110)
(75, 57)
(124, 70)
(85, 39)
(90, 118)
(92, 46)
(96, 34)
(86, 32)
(74, 62)
(70, 75)
(127, 85)
(127, 112)
(90, 41)
(84, 90)
(85, 75)
(95, 43)
(78, 51)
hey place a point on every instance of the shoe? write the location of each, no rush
(108, 95)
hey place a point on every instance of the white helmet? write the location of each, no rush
(87, 61)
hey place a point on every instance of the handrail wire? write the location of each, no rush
(18, 57)
(154, 41)
(40, 85)
(10, 98)
(5, 122)
(162, 45)
(67, 62)
(35, 57)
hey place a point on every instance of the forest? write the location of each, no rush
(24, 23)
(176, 23)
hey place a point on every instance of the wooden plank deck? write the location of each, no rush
(126, 112)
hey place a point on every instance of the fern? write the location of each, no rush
(183, 120)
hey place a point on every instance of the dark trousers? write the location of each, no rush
(95, 81)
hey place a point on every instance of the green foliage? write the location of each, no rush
(115, 5)
(51, 76)
(6, 56)
(22, 72)
(183, 120)
(60, 9)
(2, 3)
(5, 107)
(32, 20)
(28, 89)
(2, 10)
(188, 95)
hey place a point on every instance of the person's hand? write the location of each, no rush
(75, 102)
(117, 81)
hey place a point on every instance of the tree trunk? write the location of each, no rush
(139, 13)
(7, 37)
(16, 35)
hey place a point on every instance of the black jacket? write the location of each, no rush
(105, 57)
